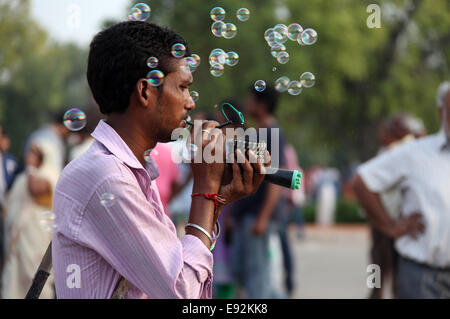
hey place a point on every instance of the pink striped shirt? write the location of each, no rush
(127, 236)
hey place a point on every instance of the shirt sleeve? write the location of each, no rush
(386, 170)
(136, 240)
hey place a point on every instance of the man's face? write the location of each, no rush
(445, 113)
(174, 101)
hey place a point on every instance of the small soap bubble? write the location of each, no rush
(283, 57)
(216, 70)
(217, 56)
(178, 50)
(276, 50)
(195, 96)
(309, 36)
(75, 119)
(230, 31)
(107, 199)
(294, 30)
(197, 58)
(192, 63)
(260, 85)
(155, 78)
(152, 62)
(282, 83)
(232, 58)
(217, 14)
(283, 31)
(308, 79)
(300, 41)
(243, 14)
(140, 12)
(217, 28)
(274, 69)
(295, 88)
(273, 38)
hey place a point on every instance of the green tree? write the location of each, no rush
(37, 75)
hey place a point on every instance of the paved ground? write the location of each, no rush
(332, 262)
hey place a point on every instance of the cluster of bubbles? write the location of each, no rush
(277, 36)
(295, 87)
(218, 58)
(75, 119)
(140, 12)
(226, 30)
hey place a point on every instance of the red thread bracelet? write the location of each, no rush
(210, 197)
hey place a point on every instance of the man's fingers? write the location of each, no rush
(248, 173)
(267, 159)
(258, 170)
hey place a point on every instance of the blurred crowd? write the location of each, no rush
(254, 258)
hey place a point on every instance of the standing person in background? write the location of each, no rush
(393, 132)
(421, 170)
(294, 201)
(27, 232)
(257, 217)
(8, 166)
(55, 134)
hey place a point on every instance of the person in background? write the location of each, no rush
(256, 218)
(29, 221)
(420, 169)
(393, 132)
(294, 201)
(54, 134)
(7, 172)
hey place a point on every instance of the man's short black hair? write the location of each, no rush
(118, 59)
(269, 97)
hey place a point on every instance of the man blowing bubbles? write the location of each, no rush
(131, 240)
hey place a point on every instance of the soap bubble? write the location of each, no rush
(276, 50)
(195, 96)
(107, 199)
(283, 57)
(308, 79)
(282, 83)
(283, 31)
(243, 14)
(273, 38)
(152, 62)
(47, 220)
(140, 12)
(300, 41)
(217, 56)
(217, 28)
(274, 69)
(216, 70)
(295, 88)
(155, 78)
(309, 36)
(232, 58)
(260, 85)
(192, 63)
(75, 119)
(230, 31)
(217, 14)
(197, 58)
(294, 30)
(178, 50)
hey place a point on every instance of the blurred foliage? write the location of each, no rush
(362, 74)
(346, 212)
(37, 76)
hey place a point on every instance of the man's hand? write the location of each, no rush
(260, 226)
(244, 183)
(411, 226)
(207, 176)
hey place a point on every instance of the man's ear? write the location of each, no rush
(145, 93)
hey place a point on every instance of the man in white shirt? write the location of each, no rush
(421, 170)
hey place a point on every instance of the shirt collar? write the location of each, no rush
(109, 138)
